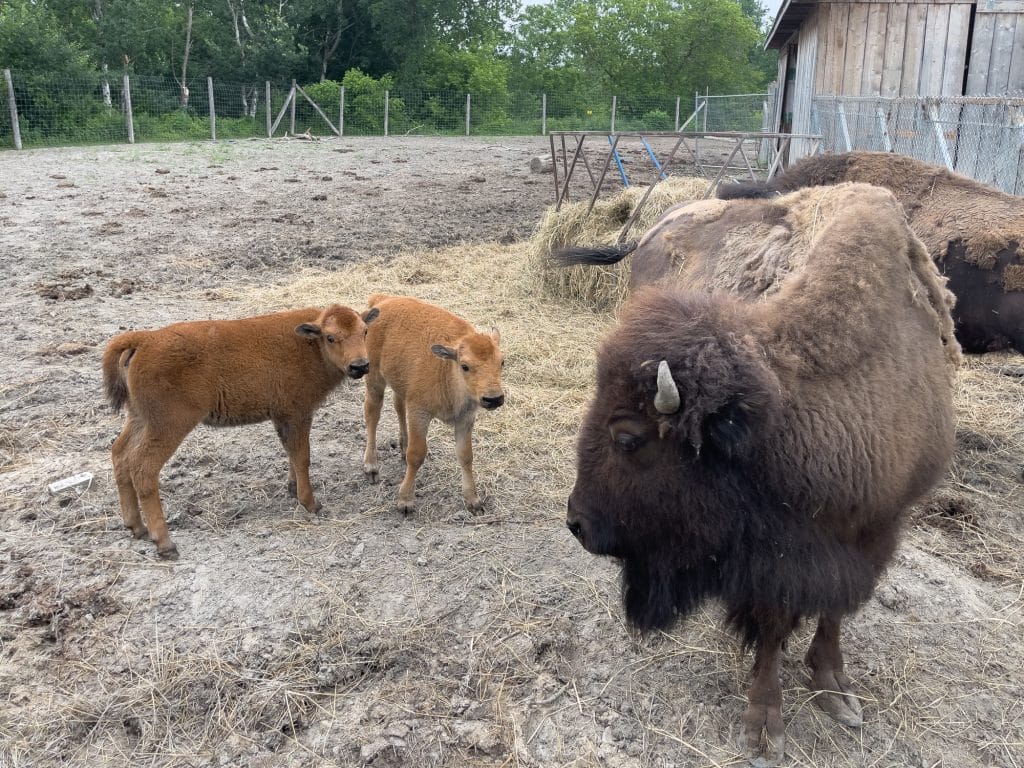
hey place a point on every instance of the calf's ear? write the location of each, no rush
(446, 353)
(371, 315)
(308, 330)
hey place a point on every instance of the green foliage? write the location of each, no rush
(32, 41)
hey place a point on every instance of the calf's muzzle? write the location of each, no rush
(359, 368)
(491, 402)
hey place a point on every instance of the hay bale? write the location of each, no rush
(600, 287)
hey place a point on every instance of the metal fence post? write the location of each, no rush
(467, 113)
(128, 110)
(213, 109)
(295, 90)
(677, 115)
(270, 131)
(543, 114)
(341, 112)
(387, 109)
(614, 104)
(12, 105)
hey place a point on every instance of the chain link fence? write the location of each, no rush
(743, 112)
(979, 137)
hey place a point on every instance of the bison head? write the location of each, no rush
(341, 334)
(667, 455)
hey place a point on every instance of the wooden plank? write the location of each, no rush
(806, 58)
(913, 50)
(1002, 53)
(1015, 82)
(956, 50)
(981, 55)
(936, 27)
(835, 45)
(892, 65)
(874, 49)
(853, 67)
(821, 15)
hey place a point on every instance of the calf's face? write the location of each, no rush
(341, 334)
(479, 360)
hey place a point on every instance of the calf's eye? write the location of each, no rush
(330, 338)
(465, 368)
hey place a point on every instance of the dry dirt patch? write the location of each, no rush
(363, 637)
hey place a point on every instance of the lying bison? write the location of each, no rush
(973, 232)
(762, 421)
(276, 367)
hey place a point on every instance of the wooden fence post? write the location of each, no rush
(128, 110)
(543, 114)
(213, 109)
(12, 105)
(387, 107)
(467, 113)
(615, 100)
(341, 112)
(269, 129)
(677, 115)
(292, 114)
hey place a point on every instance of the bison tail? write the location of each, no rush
(598, 254)
(115, 364)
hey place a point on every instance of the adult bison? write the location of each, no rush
(973, 232)
(762, 421)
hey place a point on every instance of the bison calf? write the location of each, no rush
(439, 367)
(223, 373)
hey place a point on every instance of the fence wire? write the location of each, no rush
(979, 137)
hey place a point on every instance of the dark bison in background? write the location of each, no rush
(973, 232)
(762, 421)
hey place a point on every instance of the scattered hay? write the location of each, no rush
(601, 287)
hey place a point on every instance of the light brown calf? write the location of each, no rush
(439, 367)
(223, 373)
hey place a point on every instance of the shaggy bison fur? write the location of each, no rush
(762, 421)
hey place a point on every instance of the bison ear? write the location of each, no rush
(495, 334)
(445, 353)
(371, 315)
(733, 428)
(308, 330)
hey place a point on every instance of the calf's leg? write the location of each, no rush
(464, 451)
(763, 738)
(121, 458)
(153, 447)
(414, 455)
(835, 694)
(296, 443)
(403, 429)
(372, 403)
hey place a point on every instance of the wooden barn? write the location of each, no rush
(893, 49)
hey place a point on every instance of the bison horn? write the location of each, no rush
(667, 399)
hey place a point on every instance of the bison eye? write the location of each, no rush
(465, 368)
(330, 338)
(627, 442)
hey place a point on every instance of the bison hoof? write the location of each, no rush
(292, 489)
(372, 474)
(406, 507)
(168, 553)
(475, 505)
(763, 739)
(314, 508)
(139, 532)
(842, 705)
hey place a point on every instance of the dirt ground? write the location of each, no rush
(363, 637)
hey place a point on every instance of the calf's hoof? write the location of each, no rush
(763, 738)
(170, 552)
(372, 474)
(406, 507)
(475, 505)
(292, 489)
(138, 531)
(314, 508)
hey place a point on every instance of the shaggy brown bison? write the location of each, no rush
(973, 232)
(762, 422)
(223, 373)
(439, 367)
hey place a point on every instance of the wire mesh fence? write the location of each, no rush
(53, 111)
(979, 137)
(743, 112)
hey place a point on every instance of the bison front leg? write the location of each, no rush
(372, 403)
(415, 453)
(835, 694)
(763, 738)
(296, 442)
(464, 451)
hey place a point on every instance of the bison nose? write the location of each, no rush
(574, 527)
(490, 403)
(359, 368)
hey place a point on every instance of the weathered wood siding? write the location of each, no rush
(997, 49)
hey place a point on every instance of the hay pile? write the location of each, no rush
(600, 287)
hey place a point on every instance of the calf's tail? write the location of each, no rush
(598, 254)
(115, 367)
